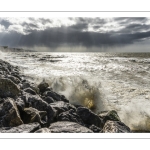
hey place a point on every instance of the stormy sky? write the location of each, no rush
(123, 34)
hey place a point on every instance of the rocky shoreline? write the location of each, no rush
(29, 108)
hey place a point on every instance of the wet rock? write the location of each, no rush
(31, 115)
(29, 90)
(36, 102)
(95, 129)
(14, 79)
(109, 115)
(26, 85)
(16, 74)
(8, 88)
(49, 100)
(55, 96)
(24, 128)
(61, 106)
(20, 104)
(43, 86)
(68, 127)
(89, 117)
(70, 116)
(115, 127)
(9, 114)
(43, 130)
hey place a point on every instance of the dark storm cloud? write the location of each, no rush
(56, 37)
(5, 23)
(134, 28)
(132, 31)
(79, 27)
(45, 21)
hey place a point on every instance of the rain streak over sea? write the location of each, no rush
(100, 81)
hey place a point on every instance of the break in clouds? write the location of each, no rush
(123, 34)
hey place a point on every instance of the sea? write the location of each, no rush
(99, 81)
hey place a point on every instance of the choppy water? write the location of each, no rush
(100, 81)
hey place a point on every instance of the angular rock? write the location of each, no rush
(49, 100)
(115, 127)
(109, 115)
(55, 96)
(43, 130)
(24, 128)
(36, 102)
(61, 106)
(30, 85)
(29, 90)
(20, 104)
(95, 129)
(9, 114)
(43, 86)
(16, 74)
(89, 117)
(31, 115)
(71, 116)
(14, 79)
(68, 127)
(8, 88)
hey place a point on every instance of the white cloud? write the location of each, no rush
(2, 28)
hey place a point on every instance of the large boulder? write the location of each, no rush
(43, 86)
(89, 117)
(35, 101)
(24, 128)
(115, 127)
(43, 130)
(109, 115)
(71, 116)
(68, 127)
(9, 114)
(61, 106)
(32, 86)
(55, 96)
(29, 90)
(8, 88)
(31, 115)
(49, 100)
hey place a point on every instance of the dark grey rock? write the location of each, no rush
(8, 88)
(49, 100)
(24, 128)
(31, 115)
(55, 96)
(68, 127)
(26, 85)
(61, 106)
(35, 101)
(29, 90)
(71, 116)
(89, 117)
(9, 114)
(43, 86)
(109, 115)
(20, 104)
(95, 129)
(14, 79)
(115, 127)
